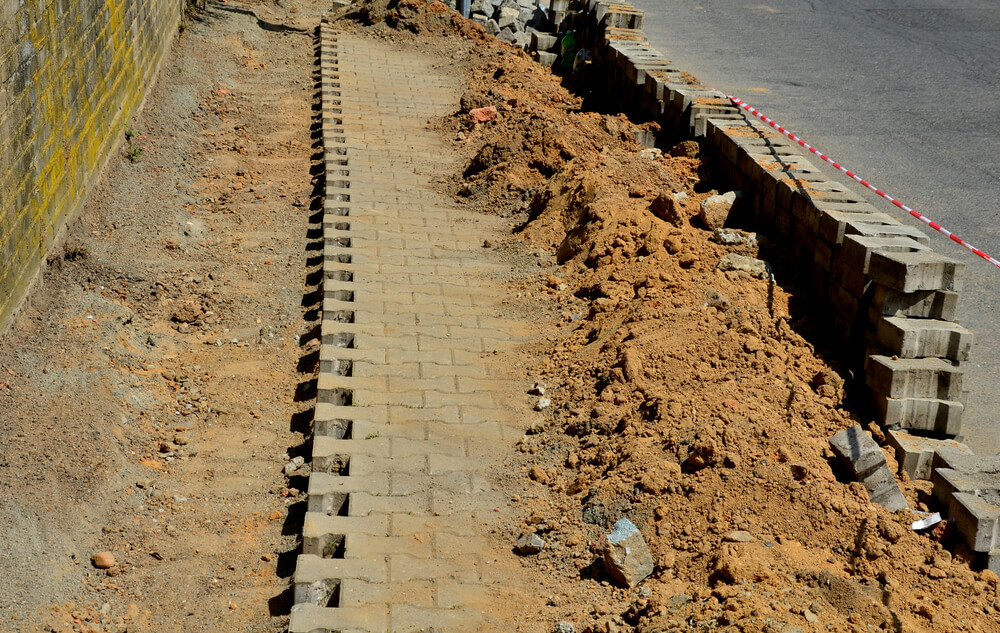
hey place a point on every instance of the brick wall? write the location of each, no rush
(71, 75)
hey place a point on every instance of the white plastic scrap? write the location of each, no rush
(927, 521)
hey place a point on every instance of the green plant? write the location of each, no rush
(74, 251)
(371, 436)
(134, 154)
(130, 133)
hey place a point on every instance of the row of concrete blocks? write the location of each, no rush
(892, 298)
(966, 487)
(331, 566)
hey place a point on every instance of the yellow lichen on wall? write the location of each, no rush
(71, 75)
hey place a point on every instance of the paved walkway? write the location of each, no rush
(408, 419)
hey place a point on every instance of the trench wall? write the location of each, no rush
(889, 298)
(71, 75)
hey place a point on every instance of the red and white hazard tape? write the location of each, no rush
(934, 225)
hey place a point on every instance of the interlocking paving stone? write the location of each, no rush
(408, 416)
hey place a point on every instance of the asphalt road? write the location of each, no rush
(906, 94)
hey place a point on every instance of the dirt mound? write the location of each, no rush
(416, 16)
(683, 397)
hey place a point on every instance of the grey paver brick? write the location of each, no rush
(407, 417)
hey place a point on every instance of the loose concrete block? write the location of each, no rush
(915, 453)
(913, 271)
(547, 59)
(914, 378)
(947, 482)
(310, 618)
(959, 461)
(920, 414)
(507, 18)
(976, 519)
(921, 338)
(544, 41)
(856, 250)
(865, 459)
(886, 230)
(833, 224)
(928, 304)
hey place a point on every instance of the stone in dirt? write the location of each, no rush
(669, 207)
(731, 237)
(739, 536)
(686, 149)
(482, 115)
(753, 267)
(715, 210)
(104, 560)
(626, 555)
(563, 627)
(529, 544)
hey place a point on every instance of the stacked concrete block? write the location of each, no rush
(912, 289)
(890, 298)
(545, 46)
(867, 464)
(916, 454)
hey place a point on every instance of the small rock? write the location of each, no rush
(626, 555)
(482, 115)
(739, 536)
(181, 440)
(294, 464)
(267, 558)
(670, 207)
(168, 447)
(715, 210)
(103, 560)
(688, 260)
(487, 244)
(563, 627)
(529, 544)
(679, 600)
(810, 616)
(543, 403)
(753, 267)
(799, 470)
(651, 153)
(730, 237)
(686, 149)
(715, 299)
(537, 389)
(537, 473)
(535, 428)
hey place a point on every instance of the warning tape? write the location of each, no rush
(934, 225)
